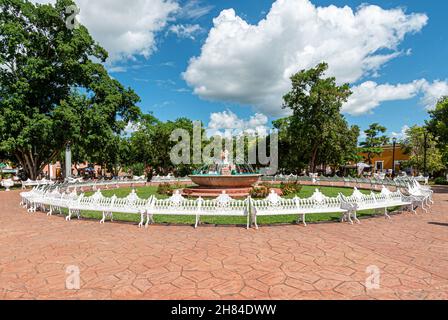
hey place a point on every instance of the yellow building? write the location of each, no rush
(383, 162)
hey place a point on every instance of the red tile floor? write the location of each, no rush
(321, 261)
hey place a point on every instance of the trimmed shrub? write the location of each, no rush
(289, 188)
(441, 181)
(259, 192)
(165, 189)
(138, 169)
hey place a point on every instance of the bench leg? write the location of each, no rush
(303, 219)
(428, 203)
(197, 221)
(142, 218)
(413, 207)
(149, 219)
(423, 206)
(104, 218)
(254, 219)
(349, 217)
(355, 216)
(30, 209)
(69, 217)
(386, 214)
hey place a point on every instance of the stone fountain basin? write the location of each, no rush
(220, 181)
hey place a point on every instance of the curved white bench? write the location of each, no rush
(55, 200)
(275, 205)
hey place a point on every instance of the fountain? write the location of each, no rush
(222, 176)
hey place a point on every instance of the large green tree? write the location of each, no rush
(316, 121)
(341, 144)
(53, 88)
(414, 145)
(151, 144)
(438, 126)
(374, 141)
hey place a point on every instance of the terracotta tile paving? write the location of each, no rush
(321, 261)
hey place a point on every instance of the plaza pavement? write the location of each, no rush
(321, 261)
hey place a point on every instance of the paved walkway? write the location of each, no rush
(324, 261)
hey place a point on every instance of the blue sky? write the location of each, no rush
(419, 59)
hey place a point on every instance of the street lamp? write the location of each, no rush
(425, 147)
(68, 161)
(394, 140)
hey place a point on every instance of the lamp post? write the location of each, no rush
(394, 140)
(425, 147)
(68, 161)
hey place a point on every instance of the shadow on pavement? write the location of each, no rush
(440, 189)
(439, 224)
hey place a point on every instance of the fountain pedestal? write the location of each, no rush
(235, 186)
(212, 179)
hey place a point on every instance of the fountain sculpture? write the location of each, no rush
(223, 176)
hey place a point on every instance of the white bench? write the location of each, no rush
(175, 205)
(421, 195)
(359, 201)
(224, 206)
(97, 202)
(131, 204)
(42, 198)
(276, 205)
(57, 201)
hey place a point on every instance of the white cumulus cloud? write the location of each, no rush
(433, 92)
(402, 134)
(251, 64)
(125, 28)
(186, 31)
(227, 123)
(369, 95)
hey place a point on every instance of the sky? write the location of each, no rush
(228, 63)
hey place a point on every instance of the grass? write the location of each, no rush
(146, 192)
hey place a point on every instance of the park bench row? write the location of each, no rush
(53, 200)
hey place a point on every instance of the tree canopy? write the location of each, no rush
(374, 141)
(316, 133)
(414, 145)
(151, 144)
(53, 88)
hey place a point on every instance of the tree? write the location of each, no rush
(114, 155)
(51, 90)
(290, 161)
(438, 123)
(341, 144)
(414, 146)
(438, 126)
(374, 142)
(151, 144)
(316, 103)
(141, 141)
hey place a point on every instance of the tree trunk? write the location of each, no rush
(31, 163)
(313, 160)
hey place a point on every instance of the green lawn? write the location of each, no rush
(146, 192)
